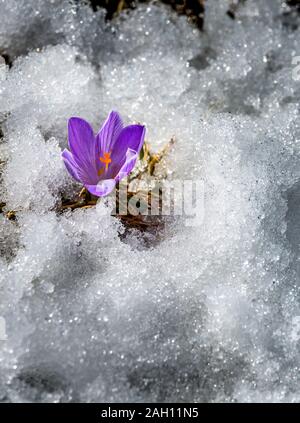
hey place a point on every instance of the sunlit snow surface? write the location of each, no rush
(211, 313)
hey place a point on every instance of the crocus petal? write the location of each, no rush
(70, 164)
(131, 158)
(109, 133)
(131, 137)
(103, 187)
(82, 146)
(75, 171)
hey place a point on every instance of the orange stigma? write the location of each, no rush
(105, 159)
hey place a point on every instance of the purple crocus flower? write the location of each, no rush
(100, 161)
